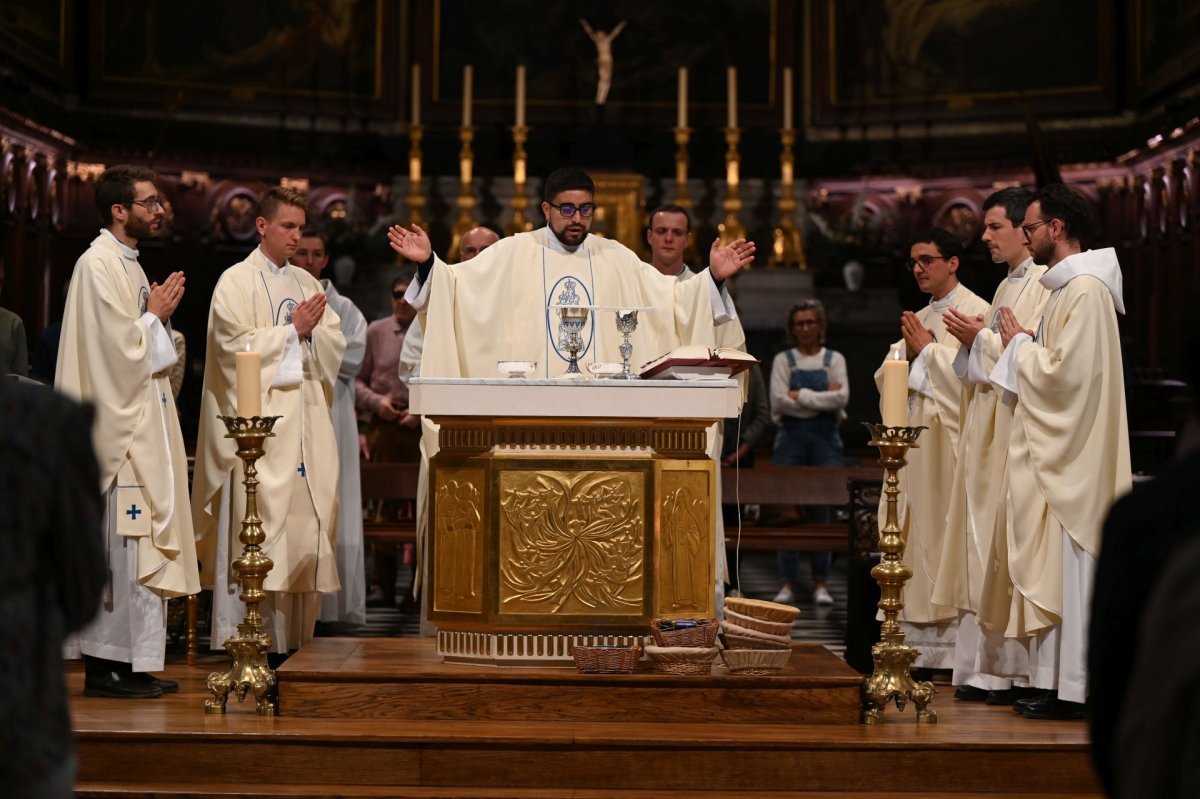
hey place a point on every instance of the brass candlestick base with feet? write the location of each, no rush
(892, 680)
(249, 647)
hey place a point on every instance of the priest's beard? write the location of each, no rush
(1042, 253)
(142, 228)
(571, 235)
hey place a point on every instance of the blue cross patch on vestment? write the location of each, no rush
(301, 469)
(133, 512)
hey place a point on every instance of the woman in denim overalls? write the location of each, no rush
(809, 393)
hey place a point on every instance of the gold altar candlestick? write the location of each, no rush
(466, 199)
(520, 202)
(250, 646)
(415, 200)
(682, 137)
(891, 679)
(787, 243)
(731, 229)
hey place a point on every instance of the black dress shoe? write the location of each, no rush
(1056, 709)
(1021, 705)
(166, 686)
(1013, 695)
(120, 685)
(969, 693)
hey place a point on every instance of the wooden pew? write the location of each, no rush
(384, 482)
(793, 485)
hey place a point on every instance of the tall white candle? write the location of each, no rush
(521, 96)
(416, 94)
(249, 383)
(787, 98)
(681, 121)
(894, 397)
(731, 91)
(468, 81)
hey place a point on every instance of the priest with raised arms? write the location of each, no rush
(266, 305)
(1069, 447)
(116, 353)
(500, 305)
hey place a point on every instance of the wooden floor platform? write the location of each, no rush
(168, 747)
(404, 679)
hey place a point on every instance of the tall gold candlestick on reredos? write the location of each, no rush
(415, 200)
(520, 200)
(466, 199)
(787, 243)
(249, 672)
(891, 679)
(731, 228)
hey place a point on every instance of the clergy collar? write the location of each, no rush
(125, 250)
(275, 270)
(1100, 264)
(944, 302)
(1020, 270)
(329, 289)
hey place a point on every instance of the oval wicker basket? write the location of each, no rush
(755, 661)
(686, 660)
(606, 659)
(779, 641)
(704, 633)
(751, 623)
(762, 609)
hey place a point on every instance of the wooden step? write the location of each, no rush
(404, 679)
(258, 791)
(170, 747)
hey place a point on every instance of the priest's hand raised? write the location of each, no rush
(725, 261)
(411, 244)
(306, 315)
(164, 299)
(962, 327)
(1009, 326)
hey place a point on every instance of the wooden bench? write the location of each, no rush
(793, 485)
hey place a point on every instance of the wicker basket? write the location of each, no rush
(606, 659)
(733, 641)
(766, 638)
(688, 660)
(755, 661)
(758, 625)
(762, 609)
(704, 634)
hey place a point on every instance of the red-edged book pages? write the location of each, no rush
(697, 362)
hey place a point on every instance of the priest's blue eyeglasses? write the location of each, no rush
(568, 210)
(150, 203)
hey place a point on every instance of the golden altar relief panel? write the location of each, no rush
(458, 530)
(572, 542)
(685, 574)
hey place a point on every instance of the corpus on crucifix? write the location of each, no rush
(604, 58)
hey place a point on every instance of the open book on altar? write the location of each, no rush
(697, 362)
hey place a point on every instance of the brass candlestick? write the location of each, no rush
(731, 229)
(787, 244)
(250, 646)
(891, 679)
(682, 198)
(520, 202)
(415, 200)
(466, 200)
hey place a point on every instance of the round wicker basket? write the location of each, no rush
(689, 660)
(736, 629)
(751, 623)
(755, 661)
(762, 609)
(733, 641)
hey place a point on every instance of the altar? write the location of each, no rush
(568, 512)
